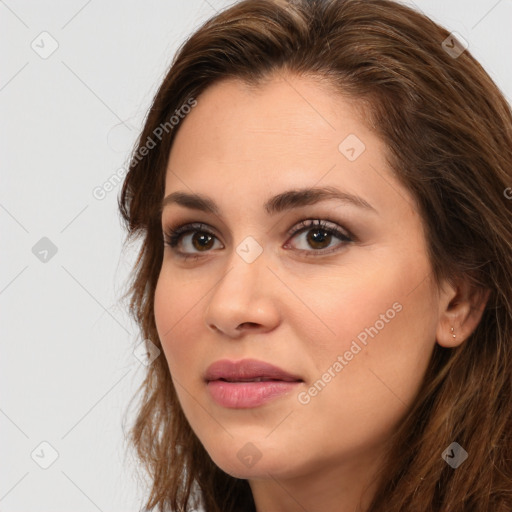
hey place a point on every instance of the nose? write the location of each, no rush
(244, 299)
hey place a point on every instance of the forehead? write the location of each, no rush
(284, 119)
(288, 131)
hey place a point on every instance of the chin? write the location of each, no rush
(244, 460)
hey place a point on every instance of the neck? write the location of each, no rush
(332, 487)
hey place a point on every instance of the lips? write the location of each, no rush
(247, 370)
(248, 383)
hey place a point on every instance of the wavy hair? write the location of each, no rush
(448, 133)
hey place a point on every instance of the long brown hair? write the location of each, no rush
(448, 131)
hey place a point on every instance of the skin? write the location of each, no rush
(298, 310)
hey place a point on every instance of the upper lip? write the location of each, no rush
(247, 369)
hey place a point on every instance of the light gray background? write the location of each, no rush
(68, 122)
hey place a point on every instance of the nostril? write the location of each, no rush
(248, 324)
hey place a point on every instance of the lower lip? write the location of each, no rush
(244, 395)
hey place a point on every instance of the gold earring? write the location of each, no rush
(452, 333)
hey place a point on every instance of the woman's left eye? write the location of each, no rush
(320, 235)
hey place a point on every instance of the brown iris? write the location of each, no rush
(202, 240)
(319, 236)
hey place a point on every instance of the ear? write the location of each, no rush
(461, 306)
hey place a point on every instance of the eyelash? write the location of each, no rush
(172, 236)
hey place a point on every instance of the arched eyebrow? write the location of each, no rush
(281, 202)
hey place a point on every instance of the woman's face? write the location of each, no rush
(348, 308)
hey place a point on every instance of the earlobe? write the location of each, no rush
(461, 310)
(449, 337)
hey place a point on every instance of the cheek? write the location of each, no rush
(377, 293)
(384, 333)
(175, 308)
(379, 310)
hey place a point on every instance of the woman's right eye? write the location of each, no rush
(196, 236)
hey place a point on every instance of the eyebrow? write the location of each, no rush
(281, 202)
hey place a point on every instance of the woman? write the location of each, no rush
(321, 192)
